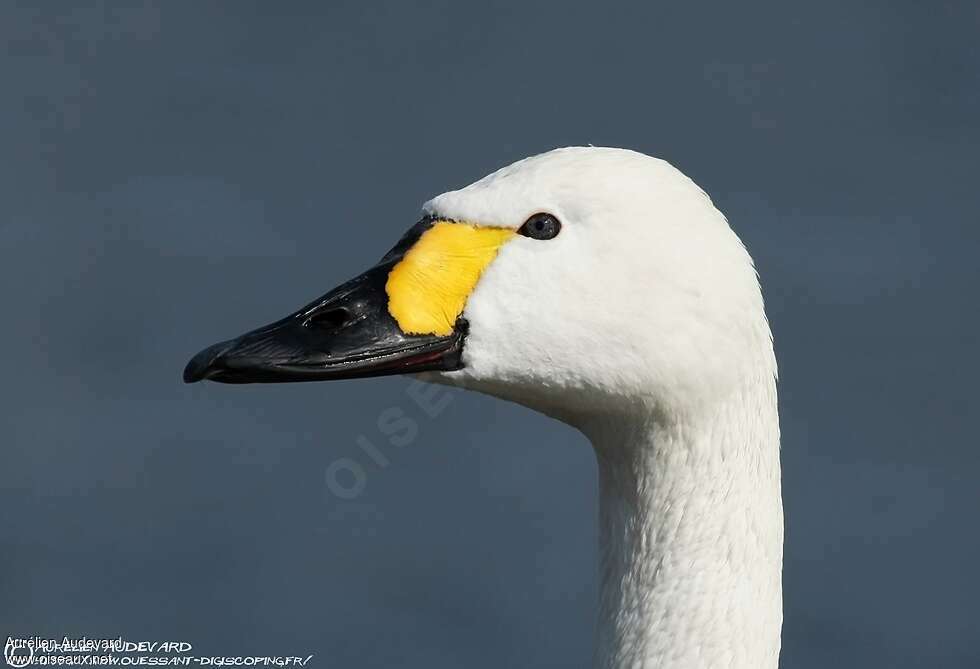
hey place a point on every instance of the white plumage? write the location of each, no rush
(642, 325)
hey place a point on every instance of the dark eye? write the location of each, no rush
(541, 226)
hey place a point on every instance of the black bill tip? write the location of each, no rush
(202, 365)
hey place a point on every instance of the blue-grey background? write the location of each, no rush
(176, 173)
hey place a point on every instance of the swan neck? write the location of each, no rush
(691, 536)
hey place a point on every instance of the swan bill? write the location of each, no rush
(348, 333)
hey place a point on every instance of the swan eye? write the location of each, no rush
(540, 226)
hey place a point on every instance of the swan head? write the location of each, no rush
(575, 281)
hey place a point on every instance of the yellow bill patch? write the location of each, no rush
(428, 288)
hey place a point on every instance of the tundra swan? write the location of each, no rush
(601, 287)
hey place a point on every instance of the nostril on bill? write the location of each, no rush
(330, 319)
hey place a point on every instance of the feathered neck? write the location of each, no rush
(691, 536)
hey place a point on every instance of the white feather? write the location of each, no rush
(642, 324)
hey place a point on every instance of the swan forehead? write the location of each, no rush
(585, 184)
